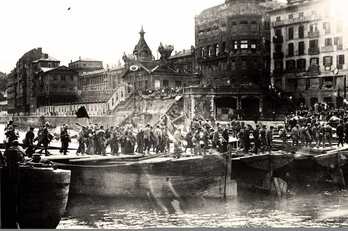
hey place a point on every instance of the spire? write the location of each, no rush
(142, 51)
(142, 32)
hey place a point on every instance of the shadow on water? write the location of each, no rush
(312, 210)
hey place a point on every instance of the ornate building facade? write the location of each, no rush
(309, 51)
(144, 73)
(233, 57)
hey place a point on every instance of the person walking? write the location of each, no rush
(28, 142)
(65, 140)
(340, 133)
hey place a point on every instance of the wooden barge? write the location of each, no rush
(158, 177)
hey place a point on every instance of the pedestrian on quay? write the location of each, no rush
(65, 140)
(82, 140)
(28, 142)
(269, 138)
(257, 142)
(147, 138)
(189, 142)
(340, 133)
(295, 134)
(46, 138)
(140, 141)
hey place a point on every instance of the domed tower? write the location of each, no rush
(142, 51)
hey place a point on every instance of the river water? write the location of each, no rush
(314, 210)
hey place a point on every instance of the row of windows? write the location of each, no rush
(216, 49)
(313, 44)
(300, 64)
(313, 28)
(63, 78)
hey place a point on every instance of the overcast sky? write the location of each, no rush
(98, 29)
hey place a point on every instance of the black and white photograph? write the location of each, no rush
(156, 114)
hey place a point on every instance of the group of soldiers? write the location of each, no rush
(204, 135)
(43, 139)
(309, 131)
(94, 139)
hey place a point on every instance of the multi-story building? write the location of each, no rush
(143, 72)
(309, 51)
(233, 56)
(56, 85)
(101, 80)
(22, 88)
(86, 65)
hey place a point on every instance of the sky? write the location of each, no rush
(97, 29)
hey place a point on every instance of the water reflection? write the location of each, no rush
(315, 210)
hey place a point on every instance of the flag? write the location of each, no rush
(82, 113)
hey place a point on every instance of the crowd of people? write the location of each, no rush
(303, 128)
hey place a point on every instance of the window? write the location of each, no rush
(301, 48)
(291, 16)
(301, 32)
(278, 19)
(217, 49)
(253, 46)
(338, 41)
(327, 27)
(314, 61)
(290, 49)
(340, 61)
(278, 32)
(165, 83)
(244, 44)
(62, 77)
(328, 42)
(177, 84)
(203, 51)
(243, 22)
(291, 33)
(278, 65)
(313, 44)
(301, 15)
(327, 61)
(301, 65)
(278, 48)
(290, 65)
(235, 46)
(209, 51)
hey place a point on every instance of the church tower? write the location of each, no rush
(142, 51)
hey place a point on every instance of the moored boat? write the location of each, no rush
(42, 195)
(261, 173)
(159, 177)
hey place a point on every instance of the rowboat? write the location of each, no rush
(157, 177)
(40, 196)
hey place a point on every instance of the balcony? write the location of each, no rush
(313, 34)
(278, 55)
(278, 39)
(314, 51)
(327, 49)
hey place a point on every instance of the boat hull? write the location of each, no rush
(42, 196)
(158, 178)
(260, 173)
